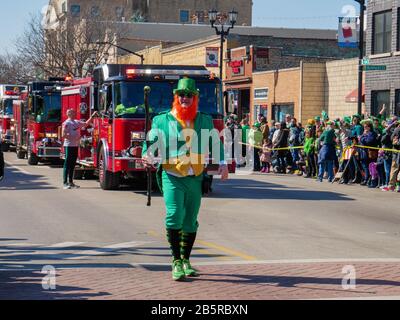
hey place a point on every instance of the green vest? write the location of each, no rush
(168, 133)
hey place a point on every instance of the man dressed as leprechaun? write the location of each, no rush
(182, 139)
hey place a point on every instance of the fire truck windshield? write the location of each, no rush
(48, 108)
(130, 98)
(8, 107)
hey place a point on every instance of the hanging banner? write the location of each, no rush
(212, 57)
(348, 35)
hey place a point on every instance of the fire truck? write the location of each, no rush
(38, 121)
(8, 93)
(112, 147)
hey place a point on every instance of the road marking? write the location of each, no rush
(17, 168)
(22, 244)
(215, 246)
(107, 249)
(227, 250)
(256, 262)
(66, 245)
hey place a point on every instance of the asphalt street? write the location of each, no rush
(250, 218)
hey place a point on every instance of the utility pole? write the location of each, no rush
(213, 16)
(361, 56)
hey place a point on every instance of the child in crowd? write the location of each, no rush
(265, 157)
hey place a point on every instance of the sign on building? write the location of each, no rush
(261, 94)
(347, 34)
(212, 57)
(237, 67)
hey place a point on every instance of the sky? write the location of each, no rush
(320, 14)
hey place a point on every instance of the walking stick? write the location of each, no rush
(147, 90)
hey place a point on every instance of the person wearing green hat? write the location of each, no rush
(256, 141)
(327, 154)
(357, 129)
(178, 138)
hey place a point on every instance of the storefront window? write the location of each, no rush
(280, 110)
(379, 98)
(233, 100)
(260, 109)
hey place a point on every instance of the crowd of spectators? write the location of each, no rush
(358, 149)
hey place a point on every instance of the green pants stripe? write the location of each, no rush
(182, 198)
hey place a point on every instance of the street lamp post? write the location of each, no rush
(124, 49)
(213, 14)
(361, 56)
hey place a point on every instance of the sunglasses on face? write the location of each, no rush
(186, 95)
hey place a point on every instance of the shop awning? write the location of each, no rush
(352, 97)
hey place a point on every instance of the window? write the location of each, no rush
(119, 13)
(184, 16)
(75, 10)
(200, 17)
(64, 7)
(379, 98)
(398, 29)
(95, 11)
(280, 111)
(382, 31)
(397, 104)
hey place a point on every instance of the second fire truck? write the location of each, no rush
(8, 94)
(112, 147)
(38, 125)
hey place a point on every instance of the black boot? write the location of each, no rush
(187, 243)
(174, 239)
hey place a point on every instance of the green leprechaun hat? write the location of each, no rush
(187, 86)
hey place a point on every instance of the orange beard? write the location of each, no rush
(185, 114)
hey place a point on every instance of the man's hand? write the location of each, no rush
(147, 161)
(223, 172)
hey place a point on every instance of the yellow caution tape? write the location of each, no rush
(377, 148)
(273, 149)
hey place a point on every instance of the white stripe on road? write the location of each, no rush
(23, 244)
(66, 245)
(108, 249)
(295, 261)
(17, 168)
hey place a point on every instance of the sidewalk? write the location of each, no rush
(247, 281)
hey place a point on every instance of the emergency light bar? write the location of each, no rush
(11, 93)
(131, 72)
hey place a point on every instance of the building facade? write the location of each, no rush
(158, 11)
(383, 49)
(298, 91)
(305, 91)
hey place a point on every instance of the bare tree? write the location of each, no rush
(69, 48)
(13, 69)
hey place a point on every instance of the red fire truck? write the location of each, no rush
(8, 94)
(112, 147)
(38, 115)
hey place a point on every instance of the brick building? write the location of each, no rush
(383, 48)
(298, 91)
(170, 11)
(247, 50)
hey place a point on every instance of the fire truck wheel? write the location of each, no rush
(21, 154)
(5, 147)
(108, 180)
(33, 160)
(78, 174)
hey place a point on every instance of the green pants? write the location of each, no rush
(182, 198)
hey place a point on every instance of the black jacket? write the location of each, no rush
(1, 164)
